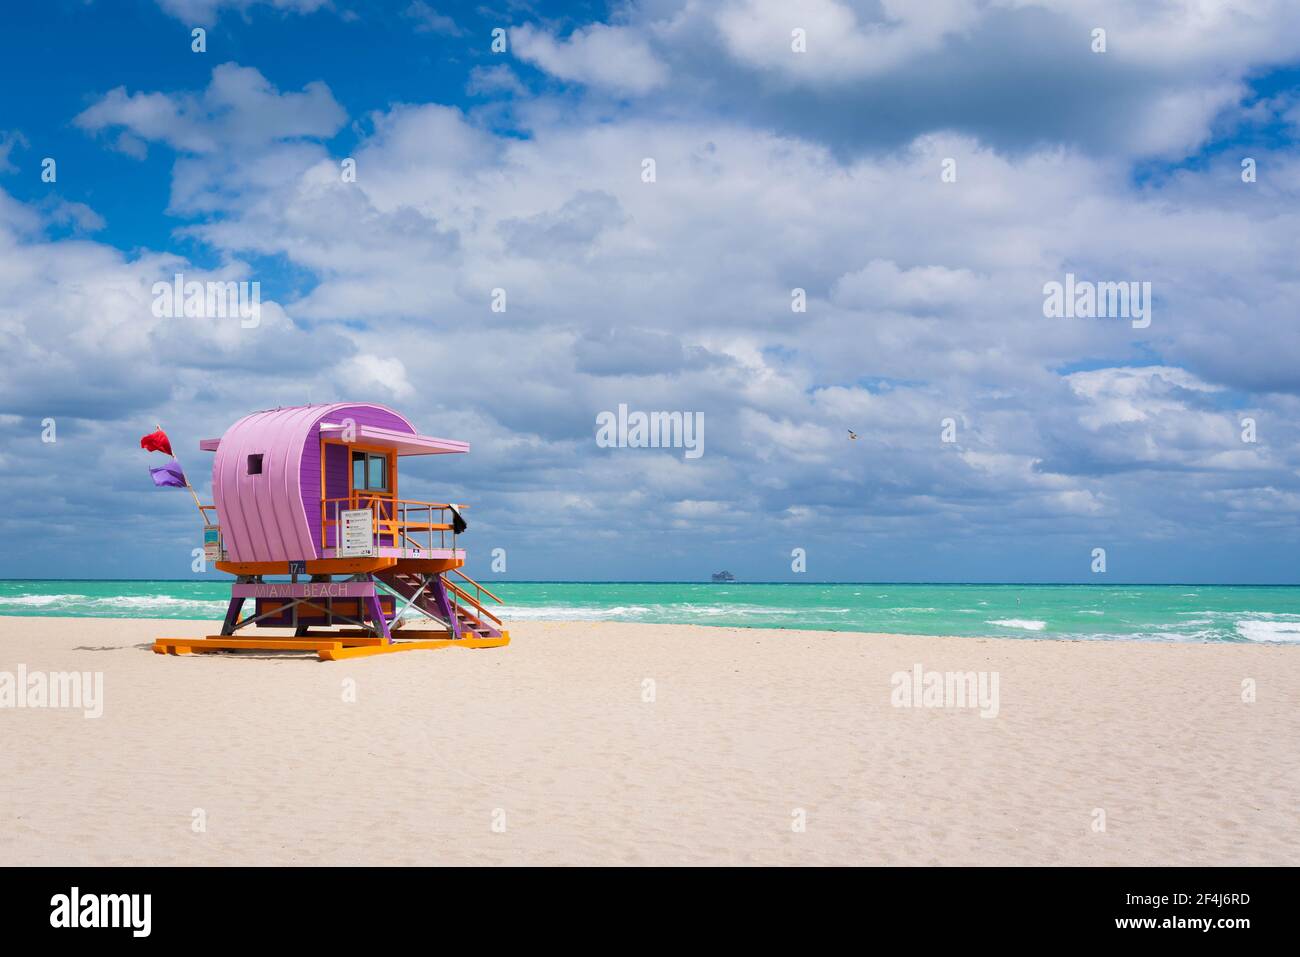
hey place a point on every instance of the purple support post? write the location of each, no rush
(232, 616)
(441, 599)
(377, 616)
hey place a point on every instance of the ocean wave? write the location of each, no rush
(684, 612)
(1257, 630)
(1206, 635)
(572, 612)
(40, 601)
(1028, 624)
(157, 601)
(741, 610)
(93, 606)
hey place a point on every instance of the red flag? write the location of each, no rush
(156, 442)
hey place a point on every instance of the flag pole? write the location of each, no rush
(197, 504)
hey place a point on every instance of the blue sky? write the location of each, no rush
(775, 170)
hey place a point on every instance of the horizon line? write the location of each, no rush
(696, 581)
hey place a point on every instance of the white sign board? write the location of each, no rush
(212, 544)
(356, 532)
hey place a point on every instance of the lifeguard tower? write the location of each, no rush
(310, 494)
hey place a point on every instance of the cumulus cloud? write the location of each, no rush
(572, 227)
(608, 57)
(843, 46)
(82, 313)
(239, 109)
(385, 375)
(1015, 74)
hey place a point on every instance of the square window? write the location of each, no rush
(255, 464)
(369, 472)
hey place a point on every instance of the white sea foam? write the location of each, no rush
(573, 612)
(1256, 630)
(1153, 636)
(1028, 624)
(41, 601)
(156, 602)
(684, 612)
(87, 605)
(742, 611)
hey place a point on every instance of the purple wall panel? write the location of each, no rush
(336, 479)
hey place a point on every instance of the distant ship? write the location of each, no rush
(723, 577)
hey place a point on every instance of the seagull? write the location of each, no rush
(852, 434)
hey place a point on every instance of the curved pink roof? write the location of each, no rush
(275, 516)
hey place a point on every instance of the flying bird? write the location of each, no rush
(852, 434)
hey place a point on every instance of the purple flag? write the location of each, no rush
(169, 476)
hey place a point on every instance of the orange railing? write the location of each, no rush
(398, 522)
(460, 598)
(479, 590)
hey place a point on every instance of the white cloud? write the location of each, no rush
(205, 12)
(239, 109)
(9, 139)
(369, 373)
(429, 20)
(840, 45)
(879, 74)
(607, 57)
(499, 79)
(882, 283)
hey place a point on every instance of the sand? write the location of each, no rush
(758, 747)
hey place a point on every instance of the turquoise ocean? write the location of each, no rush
(1206, 613)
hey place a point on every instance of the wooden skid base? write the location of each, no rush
(327, 647)
(362, 651)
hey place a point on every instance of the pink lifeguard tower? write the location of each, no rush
(310, 493)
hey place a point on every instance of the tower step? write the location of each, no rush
(435, 593)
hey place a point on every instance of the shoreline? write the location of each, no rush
(619, 743)
(1234, 614)
(1027, 635)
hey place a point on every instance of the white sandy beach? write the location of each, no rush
(551, 736)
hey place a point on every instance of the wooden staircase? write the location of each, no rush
(440, 598)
